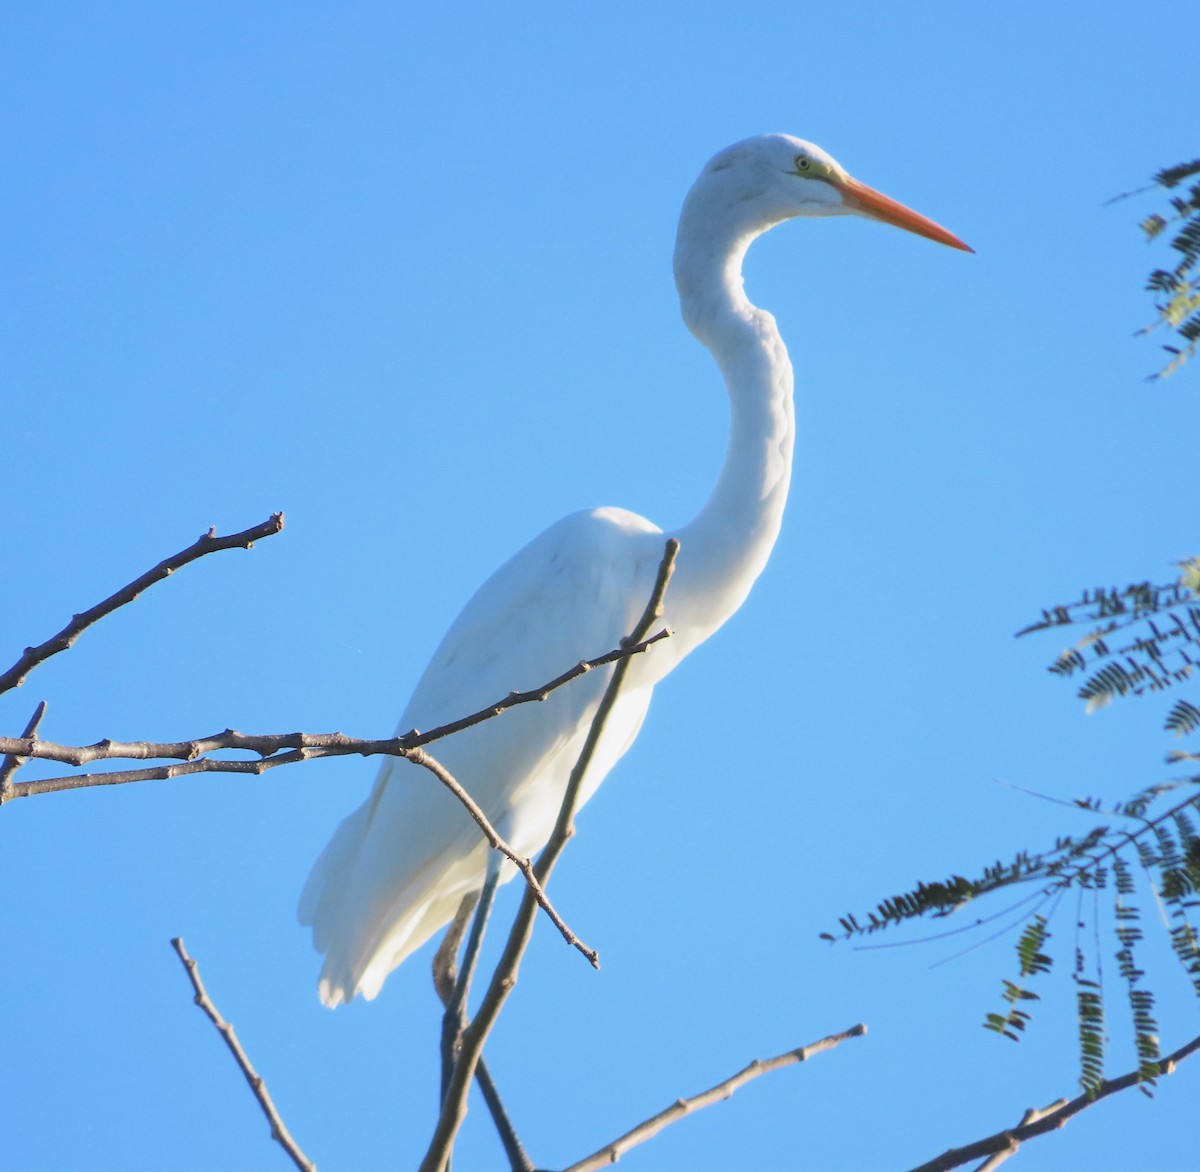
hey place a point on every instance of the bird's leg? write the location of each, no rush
(454, 1021)
(445, 960)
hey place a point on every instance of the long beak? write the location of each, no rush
(882, 207)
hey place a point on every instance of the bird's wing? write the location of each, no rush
(397, 868)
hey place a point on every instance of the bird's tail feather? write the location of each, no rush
(363, 936)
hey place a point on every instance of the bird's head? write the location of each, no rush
(776, 177)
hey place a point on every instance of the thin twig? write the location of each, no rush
(1040, 1121)
(279, 1132)
(270, 747)
(207, 543)
(611, 1153)
(454, 1107)
(535, 887)
(535, 695)
(12, 762)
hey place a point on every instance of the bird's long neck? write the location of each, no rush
(725, 547)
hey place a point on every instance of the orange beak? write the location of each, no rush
(882, 207)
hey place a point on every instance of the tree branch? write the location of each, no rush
(445, 977)
(212, 765)
(533, 886)
(302, 747)
(454, 1107)
(681, 1108)
(1037, 1122)
(279, 1132)
(206, 544)
(270, 747)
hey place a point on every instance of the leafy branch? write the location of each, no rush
(1158, 645)
(1177, 289)
(1167, 849)
(1145, 638)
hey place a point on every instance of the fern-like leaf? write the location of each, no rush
(1032, 961)
(1183, 718)
(1141, 1001)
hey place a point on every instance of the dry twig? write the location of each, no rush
(273, 749)
(206, 544)
(454, 1106)
(279, 1132)
(997, 1148)
(524, 865)
(681, 1108)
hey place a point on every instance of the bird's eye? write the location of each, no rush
(801, 163)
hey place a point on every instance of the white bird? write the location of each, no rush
(398, 867)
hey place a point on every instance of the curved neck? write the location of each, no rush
(725, 547)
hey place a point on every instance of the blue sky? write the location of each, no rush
(404, 272)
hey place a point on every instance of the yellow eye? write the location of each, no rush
(801, 163)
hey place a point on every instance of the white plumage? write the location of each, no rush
(398, 867)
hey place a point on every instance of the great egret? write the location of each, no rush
(397, 868)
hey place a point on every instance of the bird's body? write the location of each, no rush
(399, 866)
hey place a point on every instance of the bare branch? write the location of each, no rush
(1039, 1121)
(279, 1132)
(11, 762)
(625, 651)
(445, 977)
(681, 1108)
(290, 748)
(207, 543)
(271, 747)
(337, 747)
(454, 1106)
(524, 865)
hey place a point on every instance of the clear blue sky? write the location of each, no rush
(403, 271)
